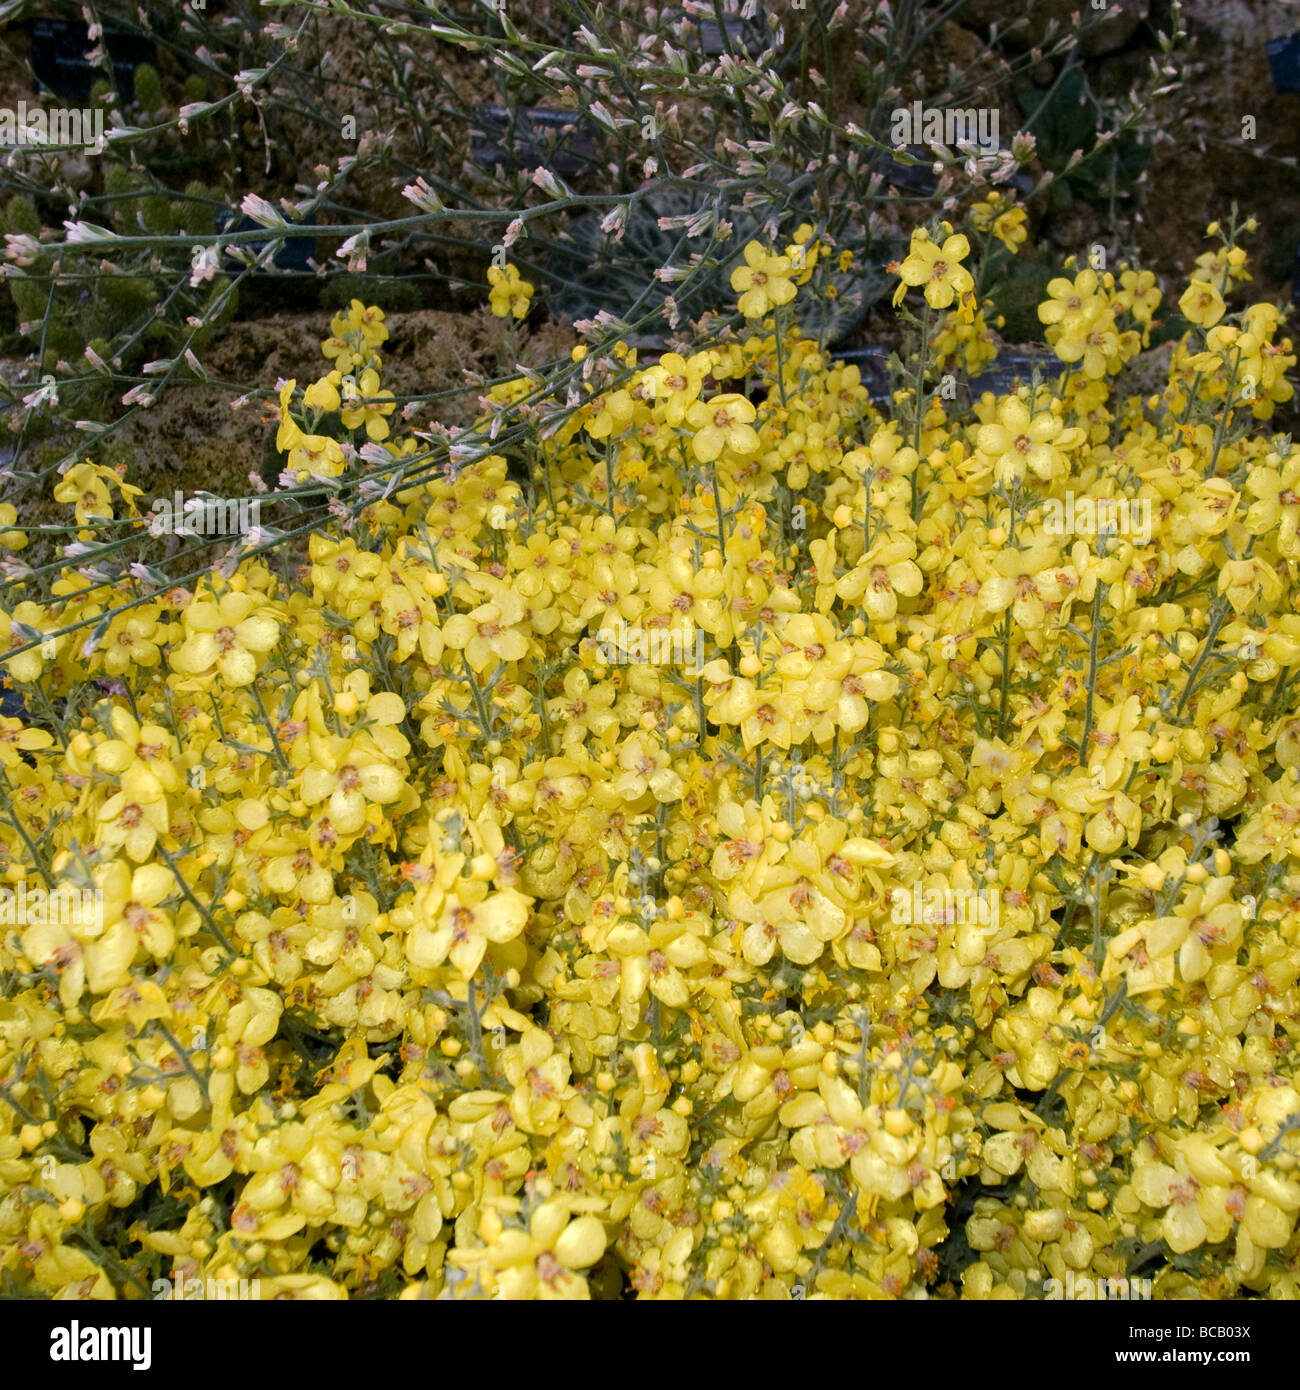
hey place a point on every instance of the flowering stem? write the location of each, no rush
(266, 724)
(11, 815)
(1221, 425)
(484, 720)
(1279, 686)
(476, 1030)
(847, 1212)
(922, 362)
(17, 1106)
(1221, 610)
(780, 352)
(195, 903)
(544, 717)
(544, 468)
(100, 1256)
(1098, 598)
(717, 507)
(1191, 399)
(609, 477)
(184, 1058)
(1099, 877)
(1006, 671)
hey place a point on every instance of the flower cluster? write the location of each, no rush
(510, 295)
(439, 954)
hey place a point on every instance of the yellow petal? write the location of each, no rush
(581, 1244)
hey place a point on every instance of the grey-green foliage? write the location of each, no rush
(591, 269)
(113, 313)
(1069, 118)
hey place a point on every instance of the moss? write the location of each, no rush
(196, 214)
(29, 298)
(1017, 298)
(148, 87)
(117, 180)
(397, 295)
(128, 291)
(20, 217)
(158, 216)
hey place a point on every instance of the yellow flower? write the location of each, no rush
(1202, 303)
(323, 395)
(491, 632)
(134, 817)
(885, 573)
(1140, 296)
(364, 777)
(764, 281)
(30, 616)
(11, 540)
(460, 925)
(609, 414)
(675, 382)
(1010, 229)
(316, 454)
(346, 356)
(1018, 441)
(1072, 305)
(132, 640)
(15, 740)
(984, 213)
(1006, 223)
(803, 252)
(646, 767)
(365, 404)
(937, 267)
(540, 1260)
(90, 487)
(722, 422)
(228, 635)
(509, 294)
(356, 335)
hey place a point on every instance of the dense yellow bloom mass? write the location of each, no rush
(699, 866)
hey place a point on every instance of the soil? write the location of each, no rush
(428, 351)
(193, 438)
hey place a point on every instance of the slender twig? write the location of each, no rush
(194, 902)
